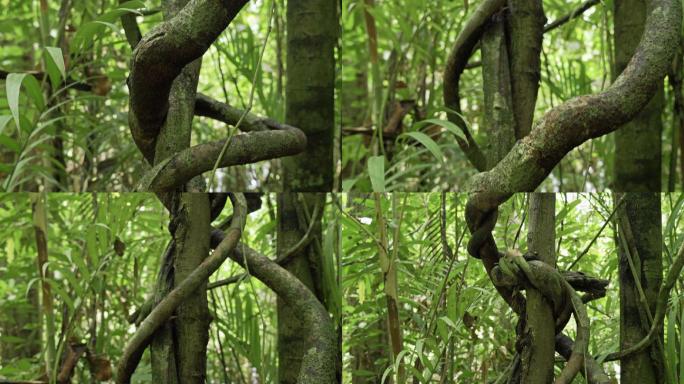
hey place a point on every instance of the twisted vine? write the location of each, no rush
(161, 313)
(560, 130)
(171, 51)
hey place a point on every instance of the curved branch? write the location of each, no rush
(318, 363)
(160, 57)
(247, 148)
(575, 13)
(585, 117)
(163, 311)
(592, 371)
(456, 63)
(214, 109)
(281, 259)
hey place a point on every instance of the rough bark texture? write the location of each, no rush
(456, 62)
(319, 359)
(176, 170)
(577, 120)
(537, 357)
(192, 316)
(525, 28)
(638, 143)
(161, 56)
(292, 225)
(640, 239)
(167, 346)
(499, 121)
(311, 37)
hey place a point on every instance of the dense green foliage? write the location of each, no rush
(454, 323)
(104, 255)
(51, 128)
(420, 153)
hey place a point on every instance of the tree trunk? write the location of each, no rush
(640, 263)
(537, 356)
(179, 349)
(499, 121)
(311, 37)
(637, 166)
(292, 225)
(309, 92)
(39, 208)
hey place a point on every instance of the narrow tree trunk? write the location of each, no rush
(39, 209)
(179, 349)
(192, 317)
(499, 120)
(525, 30)
(311, 37)
(388, 267)
(309, 92)
(638, 153)
(537, 356)
(292, 225)
(639, 248)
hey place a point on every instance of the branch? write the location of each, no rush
(214, 109)
(585, 117)
(246, 148)
(456, 63)
(575, 13)
(591, 370)
(284, 257)
(163, 311)
(160, 57)
(318, 363)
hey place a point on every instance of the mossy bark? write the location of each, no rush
(525, 29)
(312, 27)
(640, 247)
(637, 166)
(191, 324)
(498, 103)
(585, 117)
(537, 356)
(178, 350)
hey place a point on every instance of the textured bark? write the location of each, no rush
(161, 56)
(537, 357)
(303, 265)
(311, 37)
(192, 317)
(178, 169)
(570, 124)
(318, 365)
(525, 29)
(638, 143)
(499, 122)
(39, 209)
(640, 239)
(191, 325)
(456, 62)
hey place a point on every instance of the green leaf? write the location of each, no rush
(376, 171)
(13, 85)
(427, 142)
(3, 122)
(32, 87)
(446, 124)
(57, 59)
